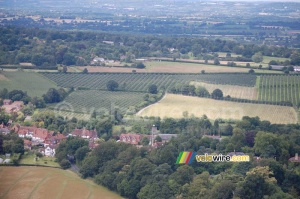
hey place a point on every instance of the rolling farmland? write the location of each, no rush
(280, 88)
(174, 106)
(48, 183)
(141, 81)
(34, 83)
(101, 101)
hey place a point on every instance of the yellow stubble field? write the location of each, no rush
(175, 105)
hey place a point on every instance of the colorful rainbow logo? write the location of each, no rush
(186, 157)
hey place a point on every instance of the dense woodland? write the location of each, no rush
(143, 173)
(46, 49)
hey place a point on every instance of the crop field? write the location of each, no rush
(242, 92)
(141, 81)
(48, 183)
(34, 83)
(280, 88)
(174, 106)
(100, 101)
(66, 114)
(168, 67)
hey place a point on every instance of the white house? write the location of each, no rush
(49, 152)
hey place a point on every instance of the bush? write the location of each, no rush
(65, 164)
(140, 65)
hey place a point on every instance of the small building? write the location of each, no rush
(296, 68)
(235, 153)
(49, 151)
(4, 130)
(276, 67)
(295, 159)
(7, 102)
(27, 144)
(131, 138)
(1, 160)
(6, 161)
(85, 134)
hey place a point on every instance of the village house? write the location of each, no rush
(49, 151)
(131, 138)
(27, 144)
(4, 129)
(11, 107)
(54, 139)
(37, 135)
(85, 134)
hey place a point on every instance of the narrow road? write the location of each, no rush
(75, 168)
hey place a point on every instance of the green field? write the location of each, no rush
(46, 161)
(141, 81)
(66, 114)
(101, 101)
(280, 88)
(35, 84)
(48, 183)
(175, 105)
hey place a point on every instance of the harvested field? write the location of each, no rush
(242, 92)
(48, 183)
(174, 106)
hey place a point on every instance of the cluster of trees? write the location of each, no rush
(11, 143)
(143, 173)
(71, 151)
(52, 96)
(19, 95)
(45, 48)
(200, 91)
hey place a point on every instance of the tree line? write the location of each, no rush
(48, 48)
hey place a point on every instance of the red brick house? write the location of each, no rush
(85, 134)
(131, 138)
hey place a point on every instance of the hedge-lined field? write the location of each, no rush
(280, 88)
(141, 81)
(35, 84)
(175, 105)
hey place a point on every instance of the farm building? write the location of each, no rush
(277, 67)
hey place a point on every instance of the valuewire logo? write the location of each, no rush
(186, 157)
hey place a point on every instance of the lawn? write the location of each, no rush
(174, 105)
(48, 183)
(34, 83)
(45, 161)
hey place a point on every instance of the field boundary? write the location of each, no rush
(140, 111)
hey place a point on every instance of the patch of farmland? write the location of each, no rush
(141, 81)
(280, 88)
(48, 183)
(175, 105)
(34, 83)
(241, 92)
(66, 114)
(104, 102)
